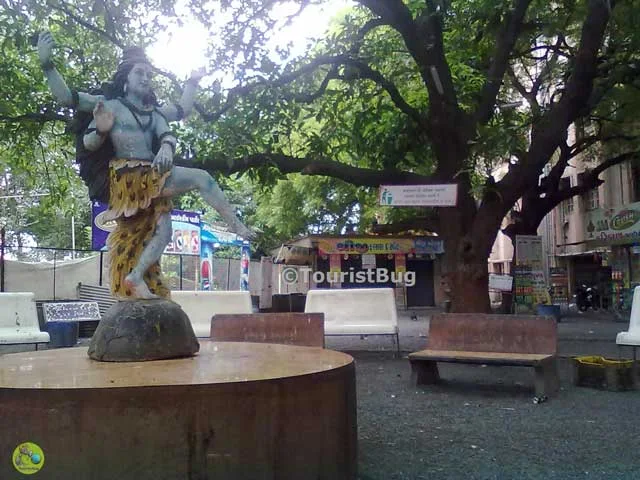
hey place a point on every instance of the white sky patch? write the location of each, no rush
(183, 49)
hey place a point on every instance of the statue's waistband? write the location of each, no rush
(119, 163)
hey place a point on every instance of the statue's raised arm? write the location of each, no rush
(67, 97)
(182, 109)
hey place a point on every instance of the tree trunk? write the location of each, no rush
(465, 271)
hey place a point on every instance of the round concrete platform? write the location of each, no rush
(235, 410)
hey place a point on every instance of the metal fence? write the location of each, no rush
(54, 273)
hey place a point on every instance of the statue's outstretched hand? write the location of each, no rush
(104, 118)
(163, 162)
(45, 47)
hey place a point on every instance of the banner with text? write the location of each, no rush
(444, 195)
(422, 245)
(185, 238)
(616, 225)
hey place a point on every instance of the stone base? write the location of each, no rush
(141, 330)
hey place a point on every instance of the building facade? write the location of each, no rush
(592, 239)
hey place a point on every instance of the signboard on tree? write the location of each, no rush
(444, 195)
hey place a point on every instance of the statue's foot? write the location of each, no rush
(138, 288)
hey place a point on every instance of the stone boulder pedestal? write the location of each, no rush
(141, 330)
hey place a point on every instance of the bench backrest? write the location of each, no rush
(303, 329)
(367, 306)
(18, 310)
(634, 319)
(474, 332)
(200, 306)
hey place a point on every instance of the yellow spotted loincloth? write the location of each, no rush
(136, 205)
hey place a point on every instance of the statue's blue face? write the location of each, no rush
(139, 80)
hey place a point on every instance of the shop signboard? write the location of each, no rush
(614, 226)
(365, 245)
(500, 282)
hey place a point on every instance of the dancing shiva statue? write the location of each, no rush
(126, 150)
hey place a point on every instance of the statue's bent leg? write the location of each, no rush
(151, 254)
(184, 180)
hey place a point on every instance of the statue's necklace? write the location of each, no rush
(135, 111)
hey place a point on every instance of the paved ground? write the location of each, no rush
(480, 423)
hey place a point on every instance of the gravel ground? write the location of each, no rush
(480, 423)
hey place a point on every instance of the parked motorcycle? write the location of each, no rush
(587, 297)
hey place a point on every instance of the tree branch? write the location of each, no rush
(365, 177)
(367, 72)
(531, 99)
(550, 130)
(62, 8)
(504, 46)
(47, 116)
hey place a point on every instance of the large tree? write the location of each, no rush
(428, 92)
(420, 91)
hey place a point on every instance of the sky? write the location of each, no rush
(181, 50)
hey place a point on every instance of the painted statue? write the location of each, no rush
(126, 149)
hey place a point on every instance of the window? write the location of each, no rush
(592, 199)
(567, 205)
(635, 178)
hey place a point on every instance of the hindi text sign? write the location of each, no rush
(444, 195)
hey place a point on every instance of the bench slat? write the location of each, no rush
(479, 357)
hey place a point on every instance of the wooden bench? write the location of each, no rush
(19, 320)
(302, 329)
(512, 340)
(356, 311)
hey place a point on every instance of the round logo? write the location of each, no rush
(290, 275)
(28, 458)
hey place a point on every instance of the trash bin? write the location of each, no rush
(603, 373)
(62, 334)
(280, 303)
(298, 301)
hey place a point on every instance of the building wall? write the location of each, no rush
(563, 230)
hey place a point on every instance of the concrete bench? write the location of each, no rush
(513, 340)
(302, 329)
(356, 311)
(19, 320)
(201, 306)
(631, 338)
